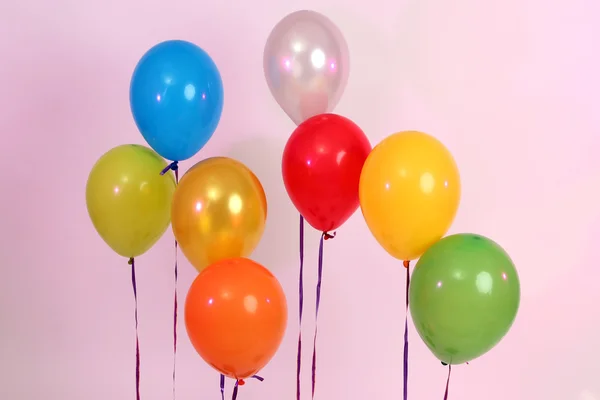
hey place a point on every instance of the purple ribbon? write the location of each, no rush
(300, 308)
(238, 383)
(222, 387)
(324, 236)
(448, 382)
(174, 166)
(175, 323)
(137, 341)
(175, 305)
(405, 362)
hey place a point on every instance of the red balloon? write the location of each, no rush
(321, 167)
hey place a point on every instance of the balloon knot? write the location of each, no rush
(174, 166)
(406, 263)
(130, 262)
(241, 382)
(327, 235)
(444, 364)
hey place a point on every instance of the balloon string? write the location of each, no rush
(300, 308)
(240, 382)
(137, 341)
(175, 305)
(222, 387)
(324, 236)
(448, 382)
(174, 166)
(405, 374)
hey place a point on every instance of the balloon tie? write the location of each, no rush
(447, 380)
(406, 264)
(174, 166)
(328, 236)
(137, 341)
(300, 308)
(238, 383)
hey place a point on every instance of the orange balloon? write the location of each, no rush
(236, 315)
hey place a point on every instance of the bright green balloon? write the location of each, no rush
(464, 297)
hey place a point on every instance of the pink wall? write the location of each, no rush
(511, 87)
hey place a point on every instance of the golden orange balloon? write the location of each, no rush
(219, 211)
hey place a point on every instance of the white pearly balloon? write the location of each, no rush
(306, 64)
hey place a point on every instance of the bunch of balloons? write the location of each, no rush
(176, 98)
(236, 311)
(465, 290)
(306, 64)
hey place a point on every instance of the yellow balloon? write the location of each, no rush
(409, 193)
(128, 200)
(219, 211)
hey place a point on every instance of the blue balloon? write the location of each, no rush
(176, 97)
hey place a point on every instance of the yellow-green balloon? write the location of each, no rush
(464, 297)
(128, 200)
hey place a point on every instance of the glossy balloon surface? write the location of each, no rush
(236, 315)
(176, 97)
(464, 297)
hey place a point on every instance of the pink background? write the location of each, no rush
(510, 86)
